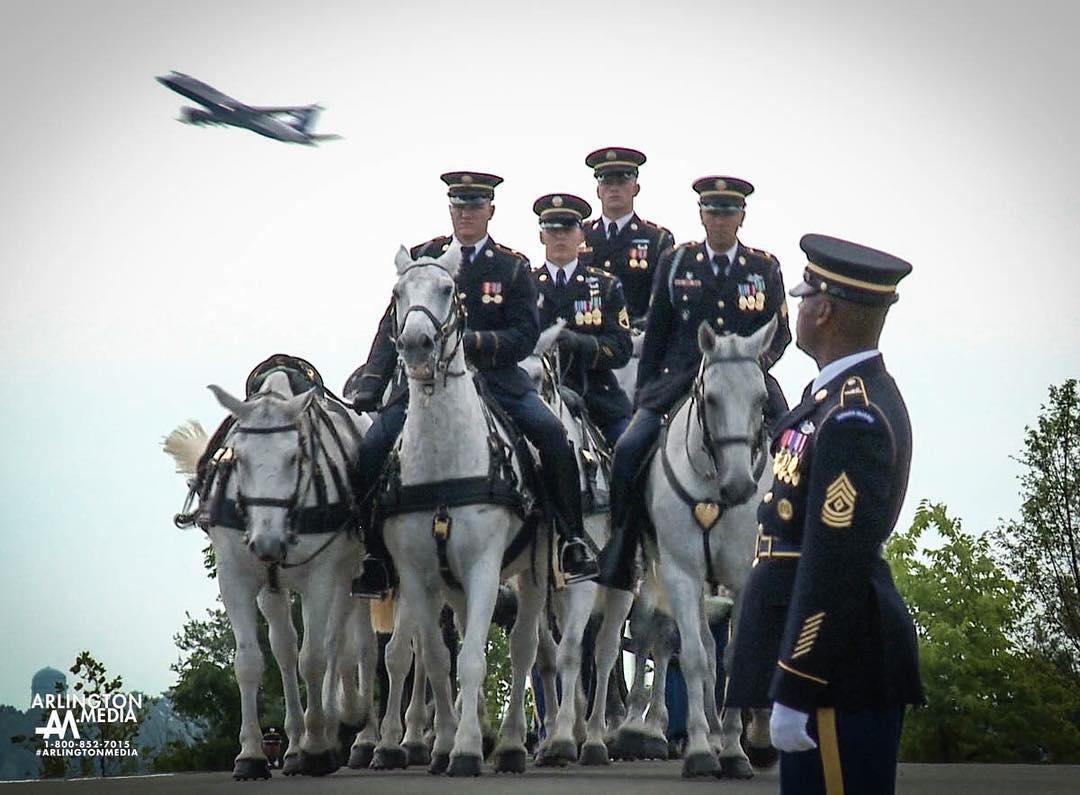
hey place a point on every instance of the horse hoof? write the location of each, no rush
(509, 760)
(321, 764)
(249, 769)
(464, 765)
(762, 758)
(557, 753)
(361, 755)
(735, 767)
(653, 747)
(292, 765)
(626, 745)
(594, 754)
(700, 763)
(417, 754)
(389, 757)
(440, 761)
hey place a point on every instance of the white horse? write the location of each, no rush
(445, 437)
(700, 494)
(574, 605)
(268, 462)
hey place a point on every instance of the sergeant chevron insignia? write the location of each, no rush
(839, 506)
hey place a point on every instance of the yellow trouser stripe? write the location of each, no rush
(830, 751)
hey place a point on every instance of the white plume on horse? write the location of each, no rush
(186, 444)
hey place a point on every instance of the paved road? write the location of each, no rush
(626, 778)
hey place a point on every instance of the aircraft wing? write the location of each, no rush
(294, 109)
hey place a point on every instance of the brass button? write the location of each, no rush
(820, 395)
(685, 297)
(666, 371)
(767, 498)
(607, 263)
(761, 528)
(785, 510)
(719, 321)
(720, 304)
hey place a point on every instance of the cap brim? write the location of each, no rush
(802, 289)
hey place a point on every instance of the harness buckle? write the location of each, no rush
(440, 523)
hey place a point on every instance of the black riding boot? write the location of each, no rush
(377, 575)
(576, 558)
(617, 560)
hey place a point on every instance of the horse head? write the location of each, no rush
(533, 364)
(269, 456)
(730, 396)
(429, 316)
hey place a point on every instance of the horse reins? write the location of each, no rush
(443, 329)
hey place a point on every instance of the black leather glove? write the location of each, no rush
(365, 401)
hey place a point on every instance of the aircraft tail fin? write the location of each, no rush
(304, 118)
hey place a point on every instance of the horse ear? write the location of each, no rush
(295, 406)
(760, 340)
(548, 337)
(706, 338)
(234, 406)
(451, 260)
(403, 260)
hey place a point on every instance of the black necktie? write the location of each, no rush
(721, 263)
(612, 230)
(467, 253)
(560, 279)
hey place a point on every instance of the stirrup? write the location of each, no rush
(589, 569)
(375, 580)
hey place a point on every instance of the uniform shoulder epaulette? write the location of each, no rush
(507, 251)
(599, 273)
(761, 253)
(654, 225)
(854, 404)
(437, 243)
(688, 244)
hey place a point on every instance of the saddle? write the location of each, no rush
(500, 486)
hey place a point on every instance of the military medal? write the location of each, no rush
(579, 319)
(786, 463)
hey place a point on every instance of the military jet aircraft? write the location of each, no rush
(221, 109)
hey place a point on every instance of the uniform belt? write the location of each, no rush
(775, 547)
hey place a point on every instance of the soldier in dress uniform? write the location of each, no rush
(822, 632)
(619, 241)
(596, 339)
(720, 281)
(499, 295)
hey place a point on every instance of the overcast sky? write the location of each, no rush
(143, 259)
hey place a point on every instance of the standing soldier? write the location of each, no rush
(734, 288)
(622, 243)
(499, 296)
(822, 631)
(596, 339)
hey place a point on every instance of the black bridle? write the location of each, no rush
(451, 325)
(288, 504)
(714, 444)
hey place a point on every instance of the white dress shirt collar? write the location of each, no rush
(554, 269)
(619, 222)
(730, 254)
(841, 365)
(478, 245)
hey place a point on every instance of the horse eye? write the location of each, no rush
(447, 289)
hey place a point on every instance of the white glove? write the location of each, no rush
(788, 729)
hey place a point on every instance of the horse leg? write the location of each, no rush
(426, 599)
(389, 755)
(717, 739)
(560, 747)
(510, 753)
(654, 744)
(546, 653)
(324, 610)
(367, 649)
(276, 608)
(481, 585)
(239, 598)
(686, 600)
(759, 748)
(616, 606)
(416, 749)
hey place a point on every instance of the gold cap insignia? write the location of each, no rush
(610, 155)
(556, 201)
(839, 506)
(720, 184)
(466, 179)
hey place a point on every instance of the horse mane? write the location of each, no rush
(186, 445)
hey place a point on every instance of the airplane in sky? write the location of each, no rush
(292, 124)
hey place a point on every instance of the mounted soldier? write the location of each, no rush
(596, 338)
(619, 241)
(720, 281)
(499, 295)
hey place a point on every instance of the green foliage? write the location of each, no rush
(1042, 548)
(499, 674)
(92, 679)
(988, 699)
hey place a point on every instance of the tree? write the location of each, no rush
(988, 699)
(92, 680)
(1042, 548)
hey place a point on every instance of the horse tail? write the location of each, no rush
(186, 445)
